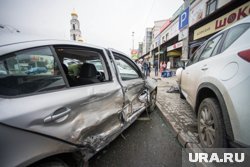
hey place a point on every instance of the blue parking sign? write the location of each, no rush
(183, 19)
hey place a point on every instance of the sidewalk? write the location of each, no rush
(177, 113)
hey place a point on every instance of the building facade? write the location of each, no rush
(147, 41)
(218, 15)
(204, 19)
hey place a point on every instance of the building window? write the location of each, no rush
(166, 37)
(74, 27)
(74, 37)
(211, 6)
(163, 39)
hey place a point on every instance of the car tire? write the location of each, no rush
(152, 106)
(53, 163)
(211, 128)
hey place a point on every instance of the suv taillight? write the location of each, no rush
(245, 54)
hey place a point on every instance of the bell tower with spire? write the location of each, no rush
(75, 32)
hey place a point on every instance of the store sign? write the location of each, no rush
(183, 19)
(165, 25)
(223, 21)
(134, 54)
(173, 30)
(175, 46)
(197, 12)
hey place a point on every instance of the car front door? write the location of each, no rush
(75, 110)
(198, 67)
(188, 73)
(133, 85)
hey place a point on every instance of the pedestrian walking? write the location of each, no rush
(139, 65)
(156, 67)
(145, 67)
(149, 68)
(161, 67)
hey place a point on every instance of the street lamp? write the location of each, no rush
(133, 40)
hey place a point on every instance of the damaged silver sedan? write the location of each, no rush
(81, 100)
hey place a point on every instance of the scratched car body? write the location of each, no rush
(61, 117)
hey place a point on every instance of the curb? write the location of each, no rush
(185, 140)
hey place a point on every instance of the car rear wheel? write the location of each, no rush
(211, 129)
(53, 163)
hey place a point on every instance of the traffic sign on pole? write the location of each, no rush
(183, 18)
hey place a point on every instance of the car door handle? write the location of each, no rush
(204, 68)
(60, 113)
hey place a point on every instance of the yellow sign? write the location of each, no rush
(223, 21)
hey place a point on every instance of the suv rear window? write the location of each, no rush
(233, 34)
(29, 71)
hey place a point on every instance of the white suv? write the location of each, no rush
(215, 82)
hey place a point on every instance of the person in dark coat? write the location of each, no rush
(145, 67)
(156, 67)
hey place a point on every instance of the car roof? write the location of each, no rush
(117, 51)
(11, 41)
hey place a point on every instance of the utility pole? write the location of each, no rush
(185, 32)
(159, 50)
(133, 40)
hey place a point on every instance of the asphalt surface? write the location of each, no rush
(146, 143)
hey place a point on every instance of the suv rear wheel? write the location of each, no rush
(211, 129)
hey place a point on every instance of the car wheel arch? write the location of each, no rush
(210, 90)
(70, 158)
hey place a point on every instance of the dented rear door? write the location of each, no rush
(133, 84)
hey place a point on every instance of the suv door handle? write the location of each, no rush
(204, 68)
(60, 113)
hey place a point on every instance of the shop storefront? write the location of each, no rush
(203, 27)
(174, 53)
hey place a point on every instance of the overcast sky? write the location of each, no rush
(107, 23)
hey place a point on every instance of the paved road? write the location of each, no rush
(146, 143)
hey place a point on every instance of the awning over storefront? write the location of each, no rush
(147, 55)
(161, 52)
(174, 53)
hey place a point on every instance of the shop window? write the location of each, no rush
(166, 37)
(163, 39)
(211, 6)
